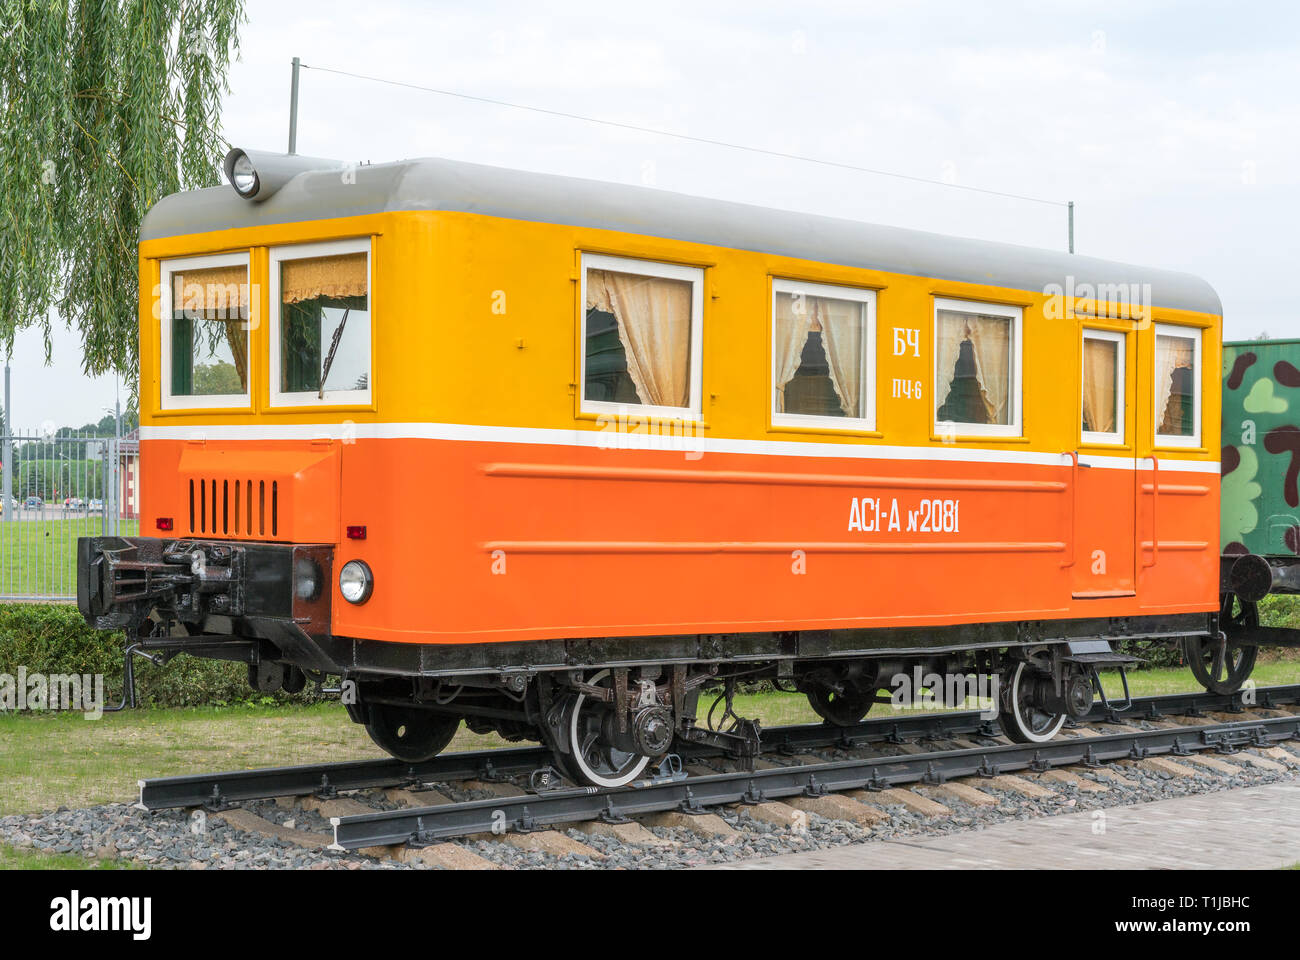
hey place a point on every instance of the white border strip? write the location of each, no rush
(608, 439)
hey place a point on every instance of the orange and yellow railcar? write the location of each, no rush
(551, 456)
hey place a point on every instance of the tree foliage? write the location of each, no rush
(105, 107)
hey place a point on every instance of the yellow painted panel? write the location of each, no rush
(476, 320)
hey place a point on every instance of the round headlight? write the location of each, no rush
(356, 582)
(243, 177)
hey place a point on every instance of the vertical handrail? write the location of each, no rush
(1155, 498)
(1074, 503)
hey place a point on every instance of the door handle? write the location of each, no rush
(1074, 499)
(1155, 499)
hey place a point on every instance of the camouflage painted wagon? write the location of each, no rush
(1260, 502)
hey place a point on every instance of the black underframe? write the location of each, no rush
(359, 657)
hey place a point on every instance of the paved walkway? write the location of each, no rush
(1249, 828)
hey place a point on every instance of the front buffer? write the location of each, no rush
(265, 604)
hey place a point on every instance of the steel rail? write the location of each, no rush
(217, 789)
(325, 779)
(426, 825)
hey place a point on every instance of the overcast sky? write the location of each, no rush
(1175, 128)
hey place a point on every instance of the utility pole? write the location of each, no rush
(8, 455)
(117, 455)
(1072, 226)
(293, 108)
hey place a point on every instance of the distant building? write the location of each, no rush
(128, 472)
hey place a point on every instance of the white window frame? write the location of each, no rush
(1015, 376)
(1115, 437)
(647, 268)
(309, 398)
(867, 369)
(166, 399)
(1196, 335)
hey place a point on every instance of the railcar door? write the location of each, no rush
(1104, 479)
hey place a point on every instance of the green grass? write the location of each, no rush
(38, 558)
(14, 859)
(52, 760)
(1271, 670)
(55, 759)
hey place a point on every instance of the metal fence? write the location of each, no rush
(55, 488)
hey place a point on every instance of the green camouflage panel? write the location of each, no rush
(1260, 504)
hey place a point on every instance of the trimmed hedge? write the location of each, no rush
(1152, 654)
(53, 638)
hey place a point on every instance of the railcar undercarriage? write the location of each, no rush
(610, 708)
(607, 726)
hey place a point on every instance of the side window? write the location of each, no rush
(1177, 386)
(320, 324)
(205, 310)
(977, 368)
(641, 336)
(1102, 381)
(823, 355)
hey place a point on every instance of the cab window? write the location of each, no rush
(321, 324)
(205, 331)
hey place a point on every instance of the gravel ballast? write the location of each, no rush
(178, 839)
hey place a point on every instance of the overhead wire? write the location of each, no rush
(690, 138)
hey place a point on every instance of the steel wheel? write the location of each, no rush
(409, 733)
(1219, 665)
(841, 709)
(1023, 722)
(590, 760)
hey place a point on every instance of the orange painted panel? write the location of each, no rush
(1105, 540)
(475, 541)
(271, 491)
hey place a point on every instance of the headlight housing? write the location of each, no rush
(257, 174)
(356, 582)
(306, 578)
(243, 177)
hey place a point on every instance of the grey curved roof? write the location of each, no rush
(436, 184)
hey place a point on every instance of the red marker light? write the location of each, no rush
(356, 532)
(164, 523)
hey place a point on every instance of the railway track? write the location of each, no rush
(805, 762)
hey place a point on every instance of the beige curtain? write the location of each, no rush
(841, 323)
(948, 337)
(791, 323)
(218, 294)
(1171, 353)
(1099, 400)
(991, 338)
(338, 277)
(654, 326)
